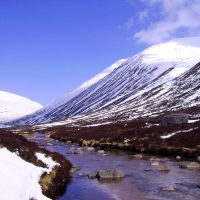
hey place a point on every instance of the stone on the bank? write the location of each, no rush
(138, 156)
(178, 158)
(110, 174)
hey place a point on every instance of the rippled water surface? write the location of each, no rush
(138, 183)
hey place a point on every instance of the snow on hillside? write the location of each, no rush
(85, 85)
(139, 85)
(20, 179)
(181, 52)
(13, 106)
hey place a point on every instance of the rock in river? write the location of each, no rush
(70, 151)
(75, 169)
(190, 165)
(92, 175)
(101, 151)
(168, 189)
(110, 174)
(163, 168)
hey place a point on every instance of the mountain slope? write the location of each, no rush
(13, 106)
(151, 82)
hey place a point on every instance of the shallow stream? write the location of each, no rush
(138, 184)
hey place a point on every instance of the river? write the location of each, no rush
(138, 184)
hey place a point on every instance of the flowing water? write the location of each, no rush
(138, 183)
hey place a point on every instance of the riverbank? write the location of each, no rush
(137, 136)
(52, 168)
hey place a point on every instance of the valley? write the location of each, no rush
(138, 119)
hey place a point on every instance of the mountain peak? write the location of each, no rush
(13, 106)
(173, 51)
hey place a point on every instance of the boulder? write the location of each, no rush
(198, 158)
(175, 118)
(110, 174)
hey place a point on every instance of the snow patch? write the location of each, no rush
(47, 160)
(169, 135)
(19, 179)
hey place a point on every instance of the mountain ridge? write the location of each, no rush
(121, 91)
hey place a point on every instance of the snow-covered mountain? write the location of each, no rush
(163, 77)
(13, 106)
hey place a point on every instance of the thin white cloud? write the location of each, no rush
(174, 16)
(143, 15)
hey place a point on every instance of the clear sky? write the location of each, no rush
(49, 47)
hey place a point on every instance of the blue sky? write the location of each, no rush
(49, 47)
